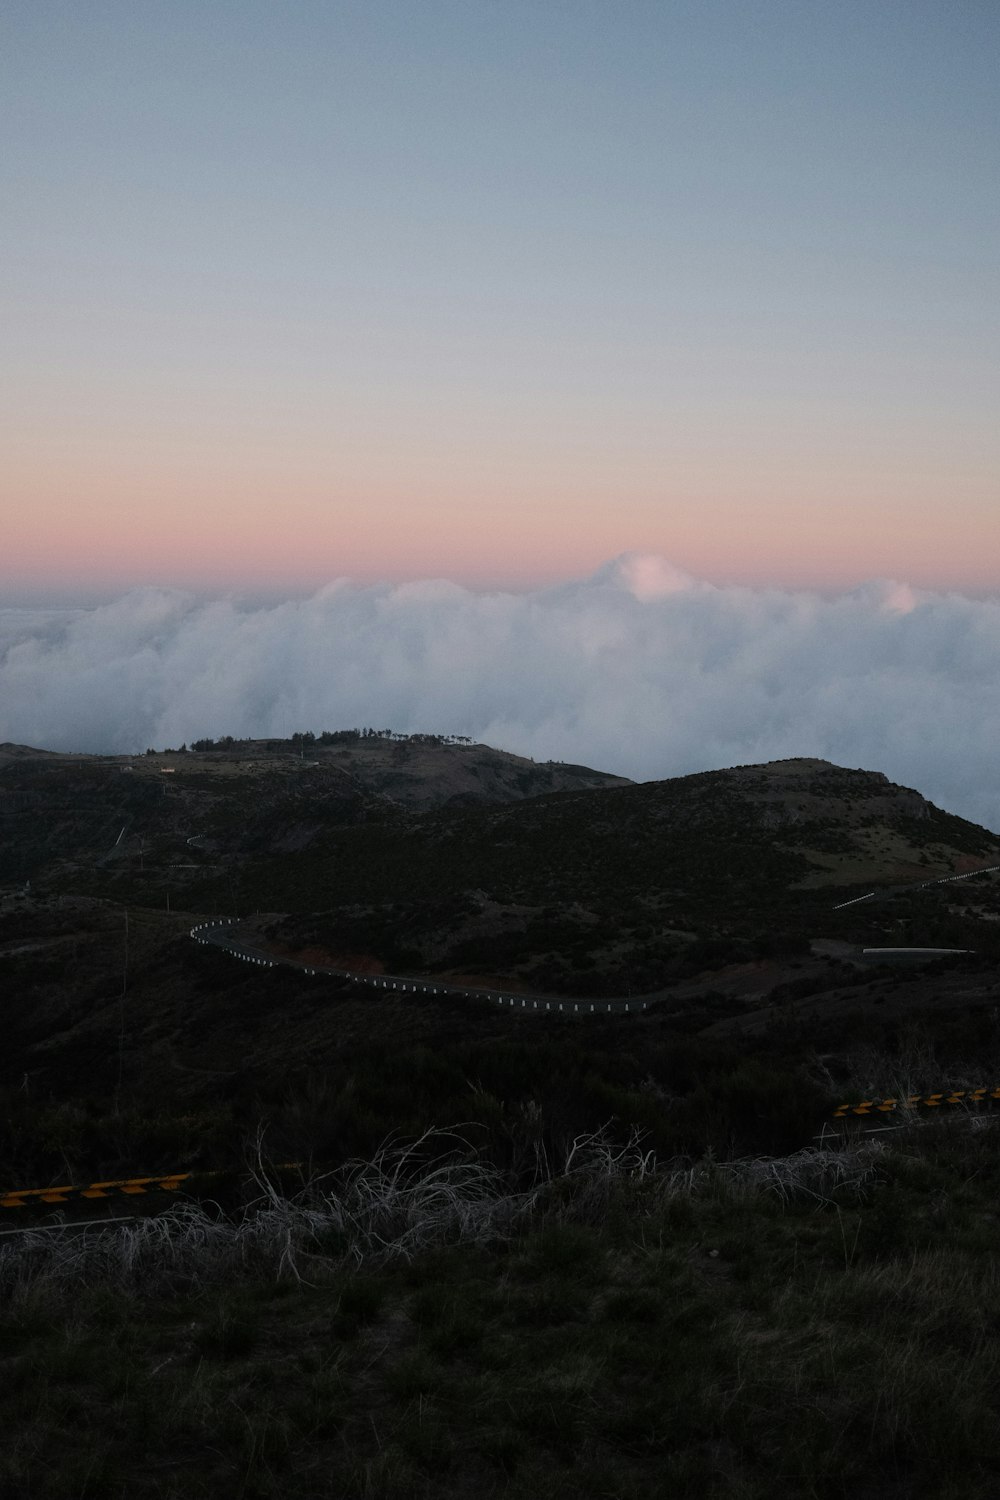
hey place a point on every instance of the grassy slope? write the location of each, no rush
(641, 1336)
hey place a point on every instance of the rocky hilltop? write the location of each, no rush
(425, 771)
(849, 824)
(244, 798)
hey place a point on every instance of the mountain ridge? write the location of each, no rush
(549, 879)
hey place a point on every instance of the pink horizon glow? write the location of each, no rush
(246, 541)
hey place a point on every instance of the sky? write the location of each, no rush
(495, 293)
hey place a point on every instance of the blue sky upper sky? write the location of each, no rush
(498, 291)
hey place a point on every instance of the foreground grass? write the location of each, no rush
(827, 1324)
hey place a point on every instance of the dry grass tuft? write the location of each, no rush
(408, 1199)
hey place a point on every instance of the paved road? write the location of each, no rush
(226, 935)
(922, 885)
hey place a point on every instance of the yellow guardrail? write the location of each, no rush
(917, 1101)
(129, 1186)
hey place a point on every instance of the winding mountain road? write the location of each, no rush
(226, 935)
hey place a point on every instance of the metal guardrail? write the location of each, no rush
(946, 1097)
(922, 885)
(129, 1187)
(407, 984)
(190, 1182)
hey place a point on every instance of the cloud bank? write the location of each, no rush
(638, 669)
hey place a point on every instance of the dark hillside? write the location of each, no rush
(714, 896)
(620, 889)
(610, 889)
(718, 896)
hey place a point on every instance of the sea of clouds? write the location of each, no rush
(638, 669)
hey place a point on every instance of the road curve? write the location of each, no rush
(225, 935)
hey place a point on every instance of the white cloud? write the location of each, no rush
(638, 669)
